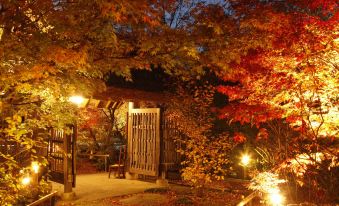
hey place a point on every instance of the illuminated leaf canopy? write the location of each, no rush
(281, 57)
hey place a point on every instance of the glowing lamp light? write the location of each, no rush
(315, 124)
(35, 167)
(245, 160)
(76, 100)
(25, 181)
(276, 198)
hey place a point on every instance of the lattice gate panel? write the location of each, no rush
(56, 155)
(60, 144)
(169, 146)
(144, 141)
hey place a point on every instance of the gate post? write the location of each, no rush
(161, 179)
(68, 166)
(129, 175)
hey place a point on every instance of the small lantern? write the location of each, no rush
(78, 100)
(35, 167)
(25, 180)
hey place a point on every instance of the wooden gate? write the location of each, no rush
(144, 141)
(170, 157)
(61, 156)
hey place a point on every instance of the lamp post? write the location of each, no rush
(69, 175)
(245, 160)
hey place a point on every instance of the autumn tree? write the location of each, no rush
(282, 55)
(101, 130)
(205, 152)
(50, 50)
(288, 71)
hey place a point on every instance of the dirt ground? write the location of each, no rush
(174, 195)
(99, 190)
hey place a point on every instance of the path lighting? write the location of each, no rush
(26, 180)
(78, 100)
(276, 198)
(35, 167)
(245, 160)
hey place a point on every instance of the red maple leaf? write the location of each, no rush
(262, 134)
(239, 137)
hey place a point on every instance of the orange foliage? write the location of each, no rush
(292, 64)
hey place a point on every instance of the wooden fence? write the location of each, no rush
(48, 200)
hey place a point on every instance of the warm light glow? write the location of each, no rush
(25, 180)
(276, 198)
(315, 124)
(1, 32)
(245, 160)
(35, 167)
(76, 100)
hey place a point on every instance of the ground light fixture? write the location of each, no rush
(35, 167)
(245, 160)
(275, 198)
(78, 100)
(25, 180)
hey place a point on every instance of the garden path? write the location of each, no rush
(92, 187)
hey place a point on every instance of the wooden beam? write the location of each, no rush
(247, 199)
(107, 104)
(130, 106)
(47, 198)
(96, 103)
(126, 94)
